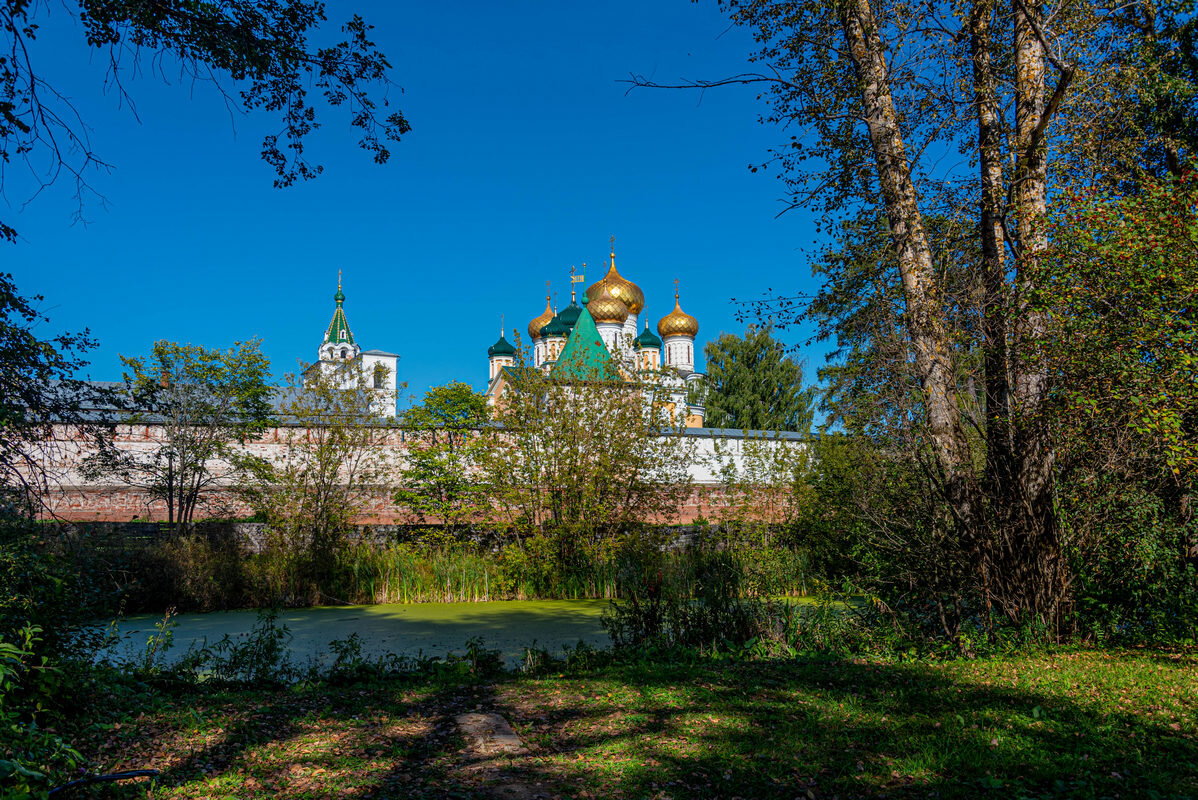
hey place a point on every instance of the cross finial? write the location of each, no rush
(613, 251)
(547, 283)
(675, 288)
(573, 280)
(338, 280)
(501, 326)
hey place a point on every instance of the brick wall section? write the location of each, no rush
(69, 496)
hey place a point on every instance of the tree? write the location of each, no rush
(883, 92)
(585, 452)
(256, 52)
(202, 402)
(1119, 282)
(332, 467)
(39, 390)
(440, 480)
(751, 383)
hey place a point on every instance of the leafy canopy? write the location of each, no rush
(203, 401)
(256, 52)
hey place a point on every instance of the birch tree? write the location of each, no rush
(880, 97)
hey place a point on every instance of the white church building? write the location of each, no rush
(340, 355)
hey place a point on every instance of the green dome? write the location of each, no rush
(569, 315)
(647, 339)
(555, 328)
(501, 348)
(339, 297)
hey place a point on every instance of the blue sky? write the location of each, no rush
(526, 154)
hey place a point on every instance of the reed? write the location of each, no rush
(402, 573)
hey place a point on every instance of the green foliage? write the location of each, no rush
(258, 53)
(753, 384)
(1134, 558)
(260, 657)
(1121, 282)
(30, 755)
(331, 468)
(194, 572)
(585, 458)
(439, 479)
(449, 410)
(37, 389)
(203, 401)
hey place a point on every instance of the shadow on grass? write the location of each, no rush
(394, 739)
(1098, 726)
(847, 729)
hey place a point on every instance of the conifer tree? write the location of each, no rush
(752, 383)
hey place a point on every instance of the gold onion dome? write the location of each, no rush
(605, 306)
(678, 323)
(534, 327)
(620, 288)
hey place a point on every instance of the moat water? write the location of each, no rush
(431, 629)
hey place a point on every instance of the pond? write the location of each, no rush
(408, 629)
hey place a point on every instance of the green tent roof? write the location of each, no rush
(338, 331)
(585, 356)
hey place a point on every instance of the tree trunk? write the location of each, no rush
(1034, 574)
(994, 301)
(929, 340)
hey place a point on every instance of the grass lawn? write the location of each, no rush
(1087, 724)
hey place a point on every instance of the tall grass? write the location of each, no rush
(194, 573)
(407, 574)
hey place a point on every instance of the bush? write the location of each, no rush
(698, 607)
(1135, 580)
(30, 753)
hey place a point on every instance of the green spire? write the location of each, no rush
(338, 331)
(585, 356)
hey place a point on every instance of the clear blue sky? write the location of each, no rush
(526, 154)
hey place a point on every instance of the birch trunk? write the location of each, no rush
(929, 340)
(1034, 573)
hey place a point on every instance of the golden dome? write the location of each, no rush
(621, 288)
(678, 322)
(534, 327)
(605, 306)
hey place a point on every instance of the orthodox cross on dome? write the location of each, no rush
(338, 280)
(675, 288)
(501, 326)
(612, 241)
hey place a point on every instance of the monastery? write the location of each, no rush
(600, 333)
(603, 336)
(340, 355)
